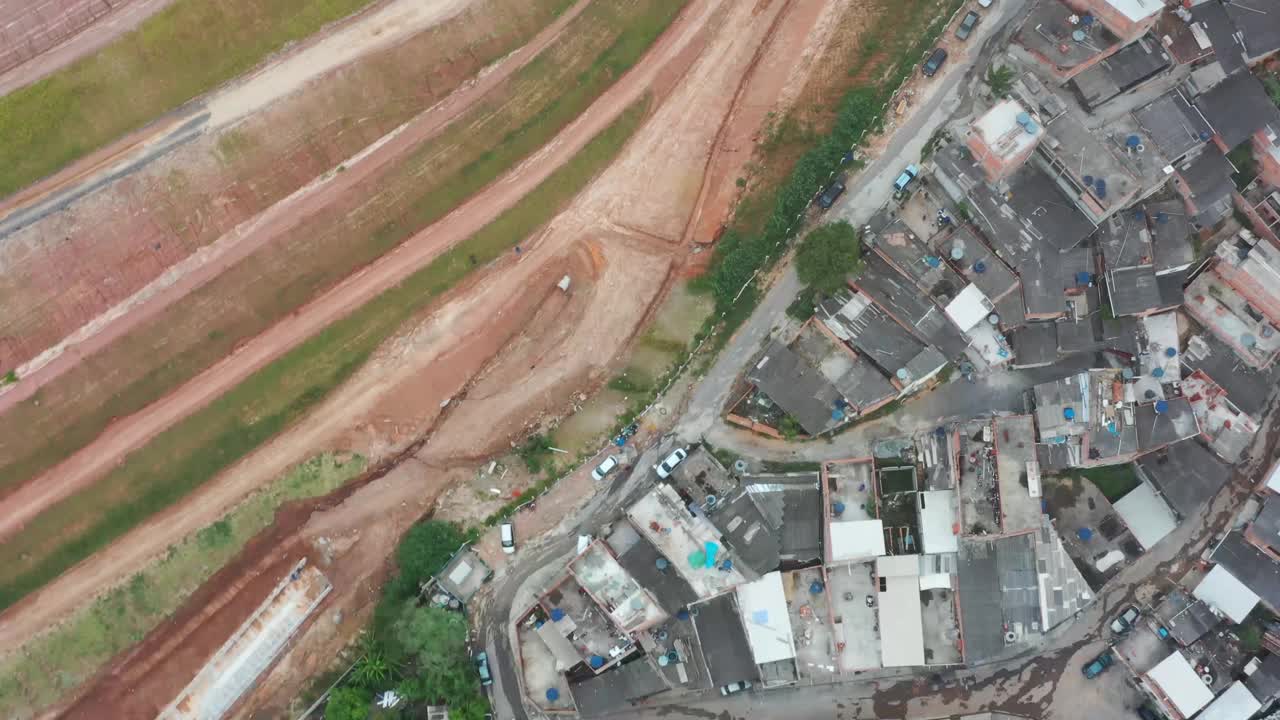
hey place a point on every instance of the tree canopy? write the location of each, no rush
(827, 256)
(425, 549)
(348, 703)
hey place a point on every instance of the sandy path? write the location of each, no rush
(124, 17)
(210, 261)
(669, 57)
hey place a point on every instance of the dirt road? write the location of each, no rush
(33, 497)
(673, 52)
(504, 348)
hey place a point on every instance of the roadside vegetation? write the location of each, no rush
(1114, 481)
(804, 149)
(110, 93)
(211, 439)
(55, 663)
(601, 43)
(420, 651)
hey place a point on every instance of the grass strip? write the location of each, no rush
(606, 39)
(181, 52)
(191, 452)
(52, 665)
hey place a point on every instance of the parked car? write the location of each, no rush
(482, 667)
(665, 467)
(1147, 713)
(828, 196)
(508, 535)
(934, 63)
(733, 688)
(966, 26)
(605, 468)
(1126, 620)
(1098, 665)
(911, 173)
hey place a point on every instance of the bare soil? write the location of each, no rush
(505, 351)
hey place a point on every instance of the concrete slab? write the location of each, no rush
(811, 623)
(855, 624)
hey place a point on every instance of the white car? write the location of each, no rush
(665, 467)
(508, 537)
(985, 3)
(733, 688)
(604, 468)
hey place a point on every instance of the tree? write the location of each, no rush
(1000, 80)
(348, 703)
(828, 256)
(436, 642)
(425, 549)
(372, 670)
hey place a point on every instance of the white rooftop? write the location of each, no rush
(1235, 703)
(901, 626)
(1273, 477)
(1000, 130)
(1147, 515)
(1179, 682)
(1136, 10)
(969, 308)
(939, 521)
(764, 614)
(1222, 591)
(856, 539)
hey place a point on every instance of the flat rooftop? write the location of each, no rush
(1129, 67)
(1000, 129)
(588, 626)
(909, 307)
(979, 264)
(724, 641)
(1207, 179)
(747, 533)
(797, 387)
(899, 601)
(979, 486)
(1062, 407)
(853, 375)
(1015, 441)
(1186, 474)
(463, 575)
(1238, 107)
(914, 259)
(1250, 566)
(1173, 124)
(617, 689)
(1171, 235)
(1049, 34)
(852, 592)
(792, 506)
(999, 589)
(1209, 354)
(661, 517)
(629, 605)
(640, 558)
(1186, 618)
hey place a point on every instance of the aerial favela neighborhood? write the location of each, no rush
(735, 359)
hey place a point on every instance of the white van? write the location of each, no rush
(508, 538)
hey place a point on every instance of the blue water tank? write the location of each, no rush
(837, 508)
(1133, 141)
(557, 614)
(816, 587)
(1069, 413)
(1083, 278)
(682, 614)
(1171, 352)
(1031, 127)
(1157, 373)
(1084, 534)
(1024, 118)
(1162, 406)
(979, 267)
(1088, 180)
(553, 694)
(597, 662)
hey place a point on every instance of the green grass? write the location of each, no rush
(180, 53)
(191, 452)
(1114, 481)
(557, 86)
(51, 665)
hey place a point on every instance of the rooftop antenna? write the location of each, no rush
(1246, 7)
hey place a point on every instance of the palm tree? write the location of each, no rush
(1000, 80)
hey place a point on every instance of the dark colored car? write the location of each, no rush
(967, 25)
(828, 196)
(1099, 664)
(1147, 713)
(934, 63)
(482, 667)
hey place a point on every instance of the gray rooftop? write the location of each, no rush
(464, 574)
(1186, 474)
(616, 689)
(1173, 124)
(1208, 178)
(1035, 344)
(1237, 108)
(1259, 22)
(910, 307)
(1047, 33)
(913, 258)
(1251, 566)
(724, 641)
(1171, 234)
(1186, 618)
(884, 341)
(1264, 683)
(1053, 399)
(746, 532)
(980, 265)
(1012, 309)
(1124, 239)
(1267, 525)
(792, 505)
(639, 557)
(1133, 290)
(1156, 429)
(1054, 457)
(854, 376)
(1170, 286)
(1126, 69)
(998, 587)
(1242, 383)
(797, 387)
(1217, 24)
